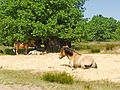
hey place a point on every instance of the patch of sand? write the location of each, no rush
(108, 65)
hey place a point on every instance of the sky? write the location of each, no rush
(107, 8)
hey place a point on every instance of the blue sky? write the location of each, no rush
(108, 8)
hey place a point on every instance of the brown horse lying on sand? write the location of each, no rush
(77, 60)
(23, 45)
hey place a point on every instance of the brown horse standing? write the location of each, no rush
(23, 45)
(77, 60)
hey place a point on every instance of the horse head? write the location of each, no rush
(65, 51)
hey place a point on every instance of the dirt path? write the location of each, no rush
(108, 65)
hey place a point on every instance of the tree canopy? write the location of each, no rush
(101, 28)
(24, 20)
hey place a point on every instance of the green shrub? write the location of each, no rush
(109, 46)
(1, 51)
(63, 77)
(95, 50)
(9, 51)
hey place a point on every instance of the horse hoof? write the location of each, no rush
(73, 69)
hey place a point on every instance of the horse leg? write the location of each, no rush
(83, 66)
(26, 50)
(94, 65)
(51, 49)
(16, 51)
(71, 64)
(58, 48)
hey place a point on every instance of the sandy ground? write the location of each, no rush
(108, 66)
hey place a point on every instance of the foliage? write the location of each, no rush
(95, 50)
(101, 28)
(116, 34)
(63, 78)
(9, 52)
(25, 20)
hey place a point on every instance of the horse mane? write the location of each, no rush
(75, 51)
(70, 51)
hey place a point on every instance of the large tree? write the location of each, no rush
(116, 34)
(101, 28)
(24, 20)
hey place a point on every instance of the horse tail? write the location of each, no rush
(13, 48)
(94, 65)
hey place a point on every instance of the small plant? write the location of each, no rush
(88, 86)
(63, 77)
(109, 46)
(95, 50)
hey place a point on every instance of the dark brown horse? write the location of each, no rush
(52, 45)
(23, 45)
(77, 60)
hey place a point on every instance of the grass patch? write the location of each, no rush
(97, 47)
(110, 46)
(18, 77)
(10, 77)
(95, 50)
(61, 77)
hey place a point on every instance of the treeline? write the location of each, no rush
(25, 20)
(101, 28)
